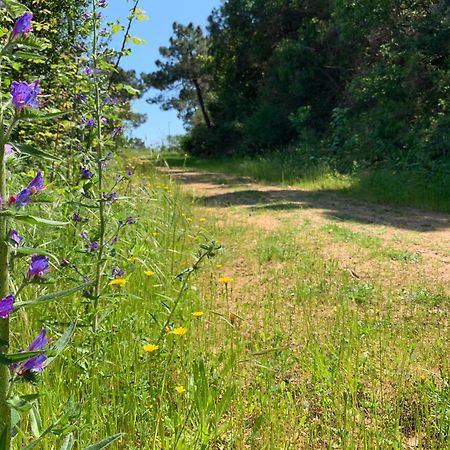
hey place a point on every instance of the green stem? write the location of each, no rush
(5, 413)
(100, 199)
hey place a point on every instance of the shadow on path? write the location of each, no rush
(214, 190)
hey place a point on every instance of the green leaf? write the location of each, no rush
(35, 251)
(15, 423)
(28, 56)
(31, 219)
(104, 443)
(61, 344)
(68, 442)
(35, 422)
(19, 404)
(115, 28)
(15, 8)
(7, 359)
(51, 297)
(36, 115)
(31, 151)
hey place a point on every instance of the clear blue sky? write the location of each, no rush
(157, 31)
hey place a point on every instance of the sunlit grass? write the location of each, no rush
(273, 346)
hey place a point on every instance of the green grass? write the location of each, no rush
(374, 244)
(293, 353)
(424, 189)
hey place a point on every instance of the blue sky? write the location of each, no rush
(157, 31)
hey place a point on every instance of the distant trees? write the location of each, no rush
(183, 73)
(346, 81)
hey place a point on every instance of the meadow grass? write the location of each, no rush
(429, 190)
(290, 352)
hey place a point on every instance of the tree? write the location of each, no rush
(182, 70)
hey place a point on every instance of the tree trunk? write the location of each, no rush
(202, 103)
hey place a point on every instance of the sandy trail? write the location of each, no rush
(423, 233)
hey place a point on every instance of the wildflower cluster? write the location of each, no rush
(93, 124)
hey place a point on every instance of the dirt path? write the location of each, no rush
(355, 233)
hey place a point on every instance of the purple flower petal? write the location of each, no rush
(38, 266)
(23, 25)
(39, 342)
(25, 95)
(6, 306)
(15, 237)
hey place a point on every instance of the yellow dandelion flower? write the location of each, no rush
(149, 273)
(225, 280)
(149, 348)
(180, 389)
(202, 219)
(197, 314)
(118, 282)
(179, 331)
(132, 259)
(189, 219)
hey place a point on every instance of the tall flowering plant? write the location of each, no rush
(19, 102)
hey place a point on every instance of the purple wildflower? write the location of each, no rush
(117, 272)
(103, 3)
(38, 266)
(23, 198)
(86, 173)
(114, 240)
(90, 123)
(22, 25)
(76, 217)
(6, 306)
(39, 342)
(92, 246)
(84, 236)
(88, 70)
(128, 173)
(8, 150)
(117, 131)
(15, 237)
(130, 220)
(36, 363)
(25, 95)
(112, 196)
(35, 185)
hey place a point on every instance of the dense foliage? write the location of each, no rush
(345, 81)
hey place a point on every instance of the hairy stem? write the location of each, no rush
(5, 414)
(100, 199)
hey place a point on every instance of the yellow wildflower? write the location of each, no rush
(179, 331)
(189, 219)
(149, 348)
(225, 280)
(197, 314)
(149, 273)
(118, 282)
(180, 389)
(202, 219)
(132, 259)
(218, 266)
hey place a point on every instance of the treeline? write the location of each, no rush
(348, 81)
